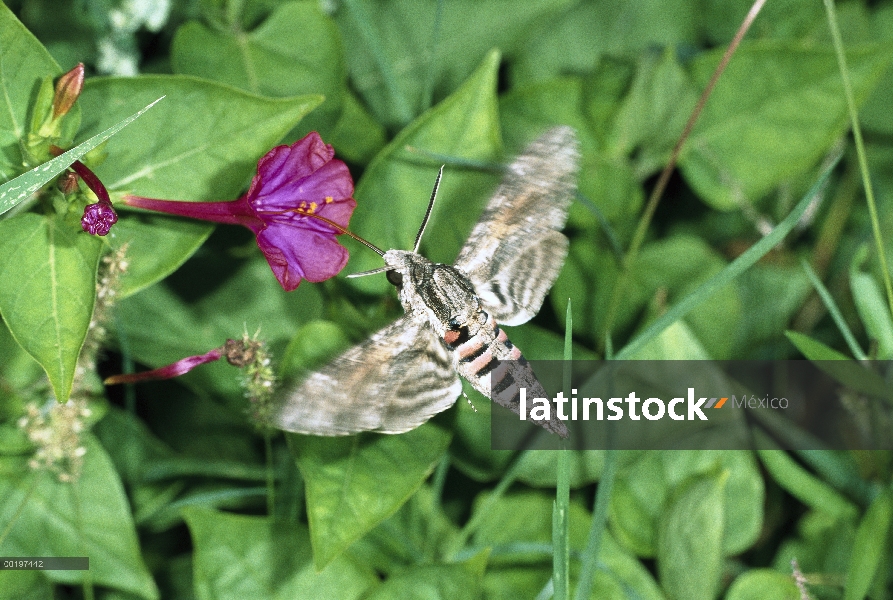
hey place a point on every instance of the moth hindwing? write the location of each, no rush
(409, 371)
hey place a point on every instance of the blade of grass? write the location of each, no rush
(805, 486)
(597, 526)
(561, 508)
(825, 295)
(860, 148)
(733, 270)
(22, 187)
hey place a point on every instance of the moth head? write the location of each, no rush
(394, 268)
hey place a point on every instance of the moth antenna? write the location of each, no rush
(341, 229)
(418, 238)
(370, 272)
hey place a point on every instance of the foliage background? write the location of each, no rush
(174, 498)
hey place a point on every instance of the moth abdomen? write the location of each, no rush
(496, 368)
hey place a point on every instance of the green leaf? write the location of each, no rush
(760, 321)
(869, 547)
(679, 265)
(595, 30)
(518, 529)
(18, 370)
(644, 487)
(763, 584)
(649, 120)
(605, 179)
(312, 346)
(22, 187)
(47, 290)
(782, 19)
(202, 143)
(432, 582)
(757, 133)
(537, 467)
(90, 517)
(156, 246)
(874, 312)
(239, 556)
(24, 585)
(271, 60)
(354, 483)
(418, 533)
(24, 62)
(689, 547)
(357, 137)
(395, 56)
(392, 194)
(676, 342)
(813, 349)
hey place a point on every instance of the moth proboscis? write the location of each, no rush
(409, 371)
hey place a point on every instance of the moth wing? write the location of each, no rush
(393, 382)
(516, 249)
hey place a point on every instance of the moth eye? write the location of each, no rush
(454, 323)
(395, 277)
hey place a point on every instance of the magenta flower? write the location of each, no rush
(98, 218)
(292, 183)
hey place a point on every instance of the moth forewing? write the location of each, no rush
(406, 373)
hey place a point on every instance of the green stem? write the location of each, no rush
(860, 150)
(660, 186)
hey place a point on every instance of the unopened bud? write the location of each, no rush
(68, 88)
(98, 218)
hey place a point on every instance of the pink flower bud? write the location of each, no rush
(68, 88)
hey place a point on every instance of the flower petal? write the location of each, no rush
(314, 256)
(284, 165)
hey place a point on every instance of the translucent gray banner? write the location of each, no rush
(707, 405)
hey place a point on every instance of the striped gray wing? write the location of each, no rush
(393, 382)
(516, 249)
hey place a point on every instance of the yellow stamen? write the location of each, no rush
(329, 199)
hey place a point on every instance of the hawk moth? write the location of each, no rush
(408, 372)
